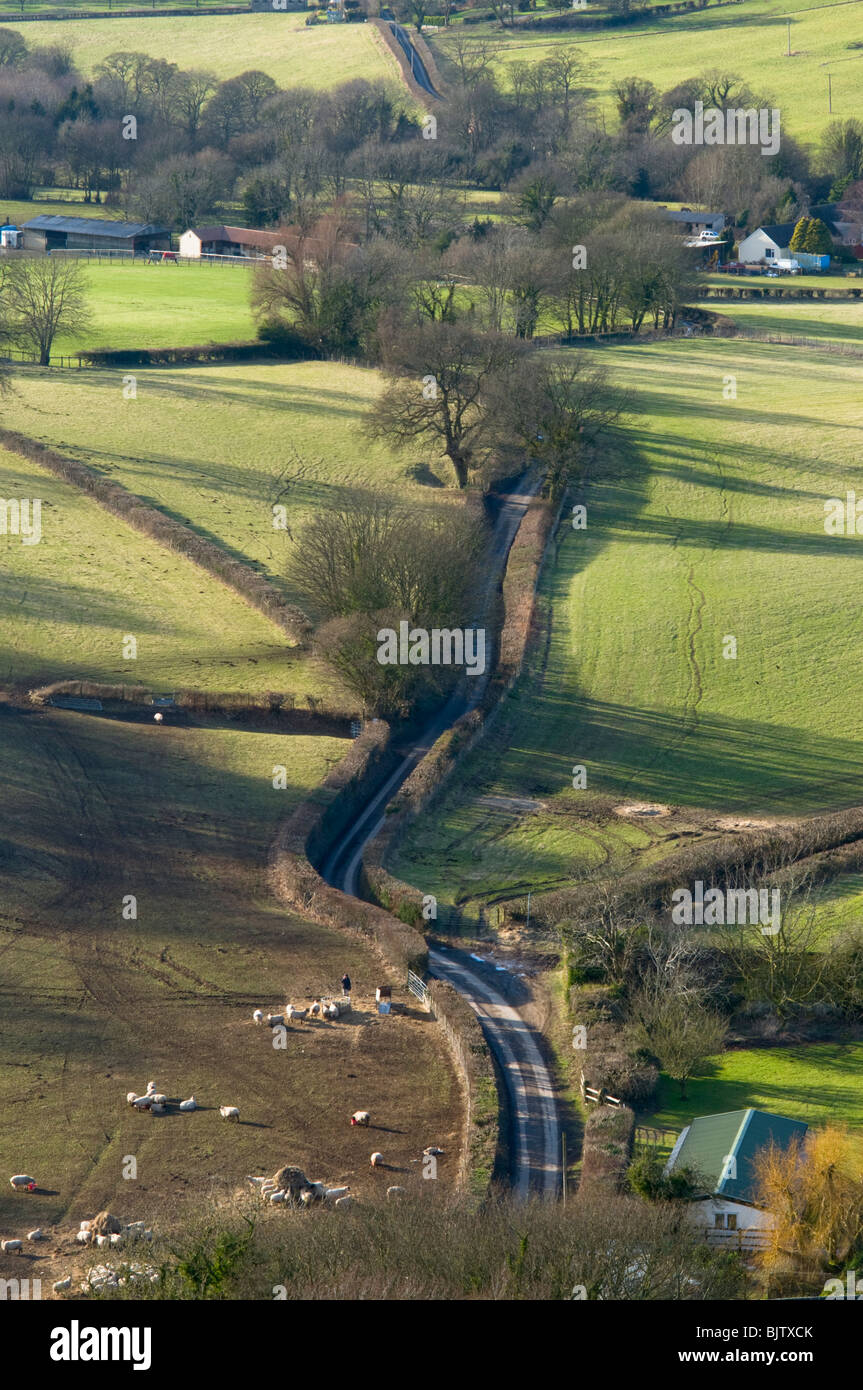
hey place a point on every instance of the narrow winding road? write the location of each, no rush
(535, 1136)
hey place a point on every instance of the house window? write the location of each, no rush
(768, 253)
(719, 1221)
(731, 1221)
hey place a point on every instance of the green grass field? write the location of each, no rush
(219, 446)
(278, 44)
(820, 1083)
(135, 305)
(823, 319)
(750, 41)
(68, 602)
(714, 528)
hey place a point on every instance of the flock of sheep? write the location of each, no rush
(288, 1187)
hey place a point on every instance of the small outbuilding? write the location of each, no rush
(720, 1151)
(227, 241)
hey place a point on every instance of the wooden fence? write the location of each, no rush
(597, 1095)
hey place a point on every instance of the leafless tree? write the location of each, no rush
(44, 296)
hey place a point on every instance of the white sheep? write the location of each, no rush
(331, 1011)
(229, 1112)
(258, 1182)
(275, 1020)
(11, 1247)
(190, 1104)
(22, 1183)
(151, 1086)
(395, 1192)
(131, 1097)
(377, 1160)
(333, 1194)
(117, 1238)
(315, 1008)
(157, 1109)
(62, 1285)
(84, 1237)
(291, 1013)
(158, 717)
(360, 1117)
(157, 1098)
(102, 1241)
(258, 1016)
(278, 1197)
(142, 1103)
(343, 1202)
(38, 1234)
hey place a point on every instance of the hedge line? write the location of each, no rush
(244, 704)
(306, 835)
(291, 349)
(254, 588)
(607, 1149)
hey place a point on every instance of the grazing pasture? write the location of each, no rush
(279, 44)
(95, 1004)
(752, 43)
(712, 529)
(219, 446)
(68, 603)
(136, 305)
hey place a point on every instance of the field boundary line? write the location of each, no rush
(252, 587)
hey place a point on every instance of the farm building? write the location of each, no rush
(721, 1151)
(693, 223)
(92, 234)
(227, 241)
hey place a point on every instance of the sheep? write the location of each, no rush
(142, 1103)
(275, 1020)
(315, 1008)
(131, 1097)
(62, 1285)
(360, 1117)
(84, 1236)
(151, 1086)
(258, 1182)
(190, 1104)
(38, 1234)
(229, 1112)
(395, 1192)
(331, 1011)
(117, 1238)
(157, 1098)
(291, 1013)
(158, 717)
(102, 1241)
(22, 1183)
(157, 1109)
(343, 1202)
(11, 1247)
(278, 1197)
(432, 1151)
(377, 1160)
(258, 1016)
(333, 1194)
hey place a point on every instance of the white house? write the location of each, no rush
(767, 244)
(227, 241)
(720, 1152)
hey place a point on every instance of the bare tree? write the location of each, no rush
(680, 1033)
(44, 297)
(440, 387)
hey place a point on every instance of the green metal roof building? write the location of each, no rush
(721, 1149)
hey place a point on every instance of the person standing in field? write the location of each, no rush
(346, 983)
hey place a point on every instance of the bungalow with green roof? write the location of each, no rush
(720, 1151)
